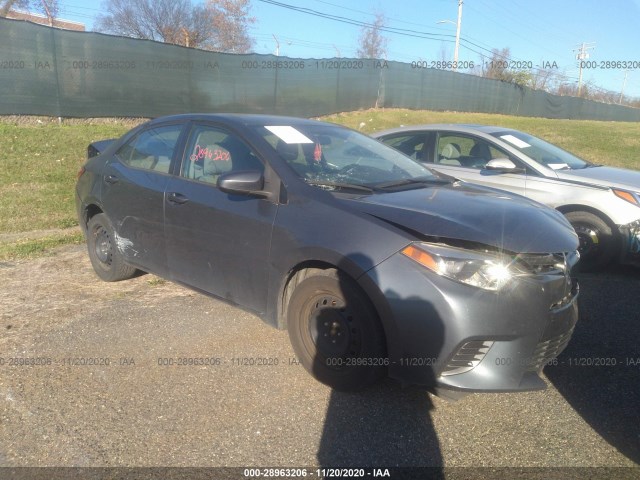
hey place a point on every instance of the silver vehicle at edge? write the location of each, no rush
(602, 203)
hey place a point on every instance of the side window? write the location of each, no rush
(151, 149)
(212, 151)
(412, 145)
(466, 151)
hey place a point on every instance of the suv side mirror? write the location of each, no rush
(503, 165)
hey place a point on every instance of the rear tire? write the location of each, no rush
(335, 331)
(597, 240)
(106, 259)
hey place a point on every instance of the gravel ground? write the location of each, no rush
(135, 412)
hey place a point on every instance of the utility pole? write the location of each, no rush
(457, 24)
(277, 45)
(624, 83)
(581, 56)
(455, 52)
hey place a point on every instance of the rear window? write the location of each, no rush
(151, 149)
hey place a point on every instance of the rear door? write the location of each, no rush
(133, 194)
(218, 242)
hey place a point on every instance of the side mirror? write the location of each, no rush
(503, 165)
(244, 183)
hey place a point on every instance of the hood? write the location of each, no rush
(476, 214)
(607, 176)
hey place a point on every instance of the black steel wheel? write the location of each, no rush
(335, 331)
(597, 241)
(106, 259)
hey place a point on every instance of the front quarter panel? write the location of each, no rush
(308, 231)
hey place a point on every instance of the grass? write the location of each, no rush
(38, 168)
(39, 160)
(609, 143)
(31, 248)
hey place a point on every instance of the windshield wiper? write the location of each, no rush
(410, 181)
(343, 186)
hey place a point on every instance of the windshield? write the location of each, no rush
(333, 157)
(542, 152)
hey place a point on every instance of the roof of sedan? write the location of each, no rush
(457, 127)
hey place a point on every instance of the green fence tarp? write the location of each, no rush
(48, 71)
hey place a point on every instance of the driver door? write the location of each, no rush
(465, 156)
(218, 242)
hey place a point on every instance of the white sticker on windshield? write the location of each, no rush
(515, 141)
(557, 166)
(288, 134)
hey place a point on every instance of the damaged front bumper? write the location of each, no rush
(630, 235)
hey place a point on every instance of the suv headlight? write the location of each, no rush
(630, 197)
(490, 271)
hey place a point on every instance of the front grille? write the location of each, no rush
(548, 350)
(468, 356)
(542, 263)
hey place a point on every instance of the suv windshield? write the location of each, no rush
(337, 158)
(542, 152)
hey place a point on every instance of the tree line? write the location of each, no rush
(217, 25)
(549, 78)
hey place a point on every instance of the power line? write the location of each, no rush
(359, 23)
(464, 41)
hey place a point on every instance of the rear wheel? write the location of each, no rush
(335, 331)
(106, 259)
(597, 241)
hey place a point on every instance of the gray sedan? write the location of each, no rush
(373, 263)
(602, 203)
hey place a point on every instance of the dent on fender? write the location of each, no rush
(124, 245)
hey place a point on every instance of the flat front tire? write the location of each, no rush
(106, 259)
(335, 331)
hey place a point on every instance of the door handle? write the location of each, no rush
(111, 179)
(177, 198)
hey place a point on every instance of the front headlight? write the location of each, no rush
(490, 271)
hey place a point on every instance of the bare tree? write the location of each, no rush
(498, 67)
(170, 21)
(545, 79)
(9, 4)
(231, 22)
(50, 8)
(372, 44)
(443, 54)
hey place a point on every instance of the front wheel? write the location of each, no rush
(335, 331)
(106, 259)
(597, 241)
